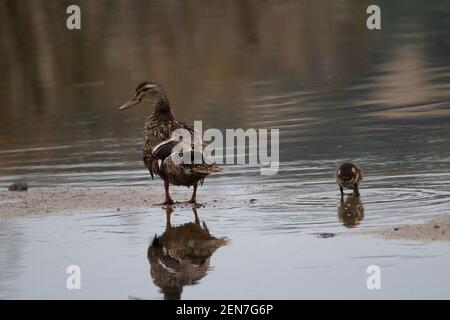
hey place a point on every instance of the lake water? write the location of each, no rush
(335, 90)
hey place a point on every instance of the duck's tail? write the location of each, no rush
(206, 169)
(203, 170)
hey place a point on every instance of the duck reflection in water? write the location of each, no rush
(351, 211)
(181, 255)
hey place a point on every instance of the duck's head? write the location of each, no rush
(149, 91)
(347, 172)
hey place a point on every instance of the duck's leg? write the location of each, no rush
(168, 199)
(194, 195)
(169, 211)
(355, 190)
(197, 220)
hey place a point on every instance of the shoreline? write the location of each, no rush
(59, 200)
(435, 228)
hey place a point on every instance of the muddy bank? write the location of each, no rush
(436, 229)
(48, 201)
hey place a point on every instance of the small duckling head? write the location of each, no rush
(347, 173)
(149, 91)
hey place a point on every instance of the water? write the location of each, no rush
(111, 250)
(334, 89)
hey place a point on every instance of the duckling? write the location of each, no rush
(158, 150)
(349, 176)
(351, 211)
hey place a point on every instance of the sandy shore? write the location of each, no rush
(436, 229)
(52, 201)
(49, 201)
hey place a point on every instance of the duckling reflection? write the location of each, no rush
(351, 211)
(181, 255)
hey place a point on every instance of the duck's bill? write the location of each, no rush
(129, 104)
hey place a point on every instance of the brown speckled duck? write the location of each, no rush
(158, 150)
(349, 176)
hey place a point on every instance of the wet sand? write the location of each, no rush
(52, 201)
(435, 229)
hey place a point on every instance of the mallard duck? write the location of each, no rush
(349, 176)
(158, 151)
(181, 255)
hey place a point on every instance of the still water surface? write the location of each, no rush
(335, 90)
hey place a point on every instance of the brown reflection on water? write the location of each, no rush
(351, 211)
(181, 256)
(407, 85)
(403, 85)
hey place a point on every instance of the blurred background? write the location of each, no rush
(335, 89)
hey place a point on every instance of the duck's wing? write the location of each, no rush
(156, 134)
(195, 148)
(164, 149)
(197, 137)
(160, 142)
(149, 161)
(182, 125)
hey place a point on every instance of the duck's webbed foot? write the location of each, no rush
(166, 202)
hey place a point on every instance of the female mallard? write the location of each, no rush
(158, 152)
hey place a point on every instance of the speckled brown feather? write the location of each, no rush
(351, 172)
(158, 128)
